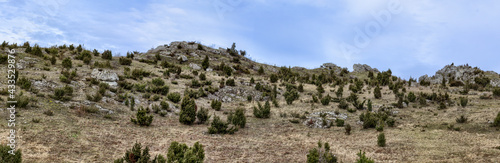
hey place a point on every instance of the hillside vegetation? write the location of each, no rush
(187, 102)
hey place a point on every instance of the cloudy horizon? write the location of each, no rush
(411, 38)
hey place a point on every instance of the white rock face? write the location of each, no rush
(194, 66)
(182, 58)
(104, 75)
(363, 68)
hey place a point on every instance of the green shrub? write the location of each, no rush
(262, 112)
(66, 63)
(135, 155)
(5, 156)
(463, 101)
(181, 153)
(24, 83)
(461, 119)
(321, 154)
(339, 91)
(390, 122)
(202, 115)
(96, 98)
(142, 118)
(339, 122)
(175, 97)
(216, 105)
(291, 95)
(377, 93)
(261, 70)
(347, 128)
(496, 92)
(64, 93)
(206, 63)
(343, 104)
(326, 100)
(158, 82)
(238, 118)
(195, 83)
(442, 106)
(411, 97)
(219, 127)
(188, 111)
(230, 82)
(496, 122)
(125, 61)
(363, 159)
(107, 54)
(381, 140)
(202, 77)
(273, 78)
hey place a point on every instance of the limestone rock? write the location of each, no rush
(363, 68)
(104, 75)
(182, 58)
(194, 66)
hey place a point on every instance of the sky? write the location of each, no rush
(412, 38)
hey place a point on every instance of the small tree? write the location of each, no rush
(464, 101)
(220, 127)
(107, 54)
(202, 115)
(216, 105)
(261, 70)
(496, 92)
(238, 118)
(206, 63)
(66, 63)
(188, 111)
(377, 93)
(135, 155)
(262, 112)
(175, 97)
(142, 118)
(381, 140)
(347, 128)
(181, 153)
(496, 122)
(321, 154)
(273, 78)
(363, 159)
(326, 100)
(411, 97)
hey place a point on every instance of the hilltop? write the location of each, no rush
(83, 105)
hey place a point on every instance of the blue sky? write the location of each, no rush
(410, 37)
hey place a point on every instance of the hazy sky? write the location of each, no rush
(410, 37)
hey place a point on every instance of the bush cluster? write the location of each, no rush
(321, 154)
(64, 93)
(136, 156)
(202, 115)
(237, 118)
(496, 122)
(216, 105)
(142, 117)
(220, 127)
(175, 97)
(125, 61)
(262, 112)
(107, 54)
(181, 153)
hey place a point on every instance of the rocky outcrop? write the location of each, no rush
(363, 68)
(105, 76)
(463, 73)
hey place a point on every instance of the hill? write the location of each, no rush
(82, 105)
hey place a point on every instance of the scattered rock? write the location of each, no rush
(104, 110)
(194, 54)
